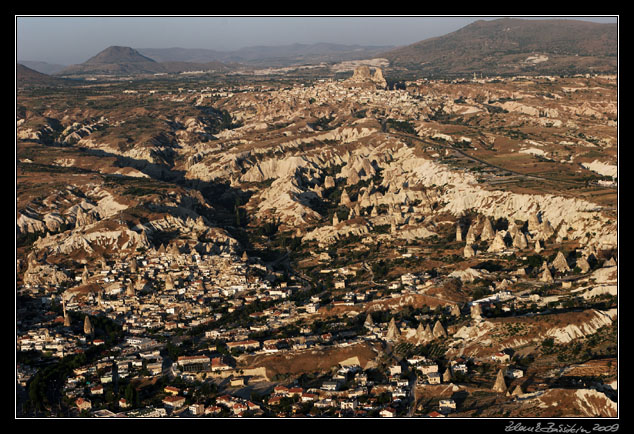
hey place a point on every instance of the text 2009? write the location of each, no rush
(606, 428)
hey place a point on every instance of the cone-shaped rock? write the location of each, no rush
(454, 310)
(134, 265)
(88, 329)
(519, 240)
(547, 276)
(345, 199)
(500, 385)
(468, 252)
(329, 182)
(513, 229)
(471, 235)
(130, 290)
(458, 233)
(439, 331)
(498, 244)
(583, 265)
(546, 230)
(487, 230)
(369, 323)
(424, 334)
(476, 311)
(169, 282)
(610, 263)
(560, 263)
(533, 223)
(393, 333)
(84, 276)
(174, 250)
(538, 246)
(517, 391)
(446, 376)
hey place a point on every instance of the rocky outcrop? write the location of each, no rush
(362, 77)
(45, 275)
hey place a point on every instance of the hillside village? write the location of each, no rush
(345, 250)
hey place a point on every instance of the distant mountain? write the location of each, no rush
(511, 46)
(128, 61)
(43, 67)
(27, 77)
(117, 54)
(280, 55)
(114, 61)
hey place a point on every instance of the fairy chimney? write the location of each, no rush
(458, 233)
(476, 311)
(583, 265)
(439, 331)
(538, 246)
(345, 199)
(519, 241)
(446, 376)
(130, 290)
(471, 235)
(560, 264)
(329, 182)
(84, 276)
(546, 230)
(487, 230)
(88, 328)
(393, 333)
(498, 244)
(547, 276)
(469, 252)
(500, 385)
(369, 323)
(169, 282)
(533, 223)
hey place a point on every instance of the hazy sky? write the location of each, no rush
(74, 39)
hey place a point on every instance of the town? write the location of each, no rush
(350, 248)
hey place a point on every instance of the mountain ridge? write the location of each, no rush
(503, 46)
